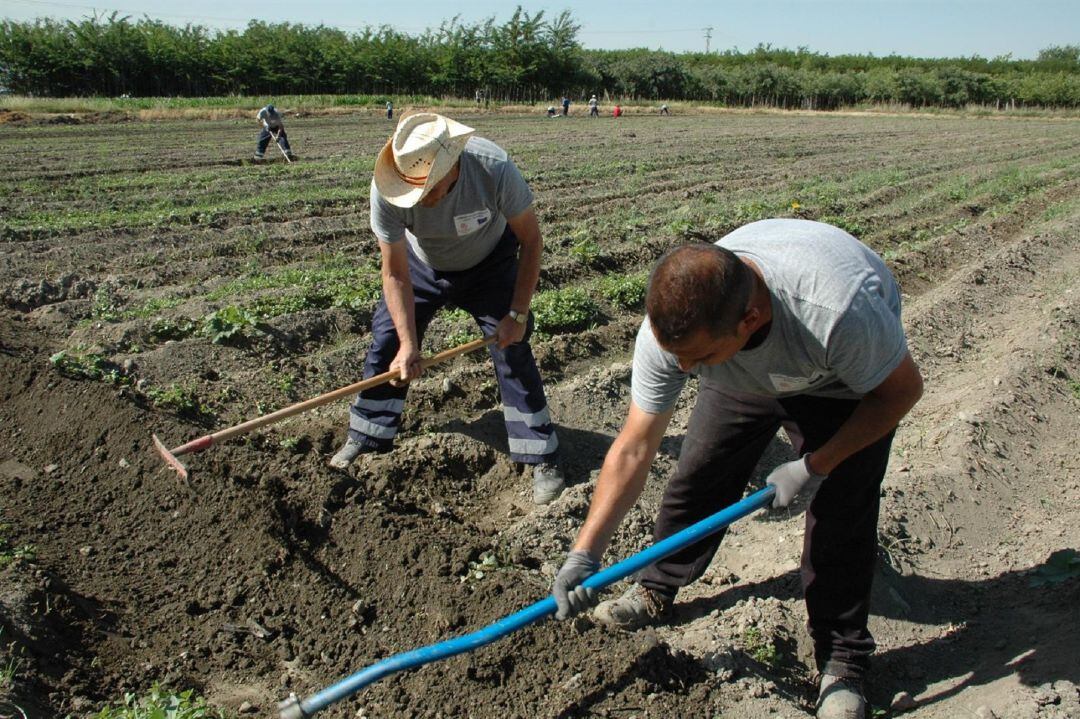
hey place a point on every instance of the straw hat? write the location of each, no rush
(424, 148)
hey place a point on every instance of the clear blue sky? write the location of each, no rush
(922, 28)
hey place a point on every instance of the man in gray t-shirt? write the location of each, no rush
(273, 128)
(787, 323)
(454, 222)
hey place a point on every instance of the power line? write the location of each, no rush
(708, 36)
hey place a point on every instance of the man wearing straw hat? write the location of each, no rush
(455, 223)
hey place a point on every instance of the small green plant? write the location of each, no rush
(253, 245)
(585, 251)
(356, 295)
(182, 400)
(14, 554)
(80, 364)
(228, 323)
(164, 329)
(461, 329)
(1074, 388)
(625, 291)
(760, 648)
(487, 563)
(565, 310)
(106, 305)
(287, 382)
(847, 225)
(9, 668)
(161, 704)
(290, 443)
(460, 336)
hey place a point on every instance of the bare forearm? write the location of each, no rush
(617, 489)
(398, 292)
(871, 420)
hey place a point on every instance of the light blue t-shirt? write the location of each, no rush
(835, 329)
(466, 225)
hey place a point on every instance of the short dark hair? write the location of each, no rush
(697, 287)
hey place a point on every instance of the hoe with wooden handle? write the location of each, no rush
(204, 442)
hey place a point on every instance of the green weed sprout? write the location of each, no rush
(182, 400)
(77, 363)
(624, 291)
(227, 323)
(565, 310)
(160, 704)
(760, 648)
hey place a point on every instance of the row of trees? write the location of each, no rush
(528, 58)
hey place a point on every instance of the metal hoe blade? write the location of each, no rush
(170, 458)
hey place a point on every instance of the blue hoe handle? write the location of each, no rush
(294, 708)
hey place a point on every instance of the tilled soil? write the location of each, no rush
(269, 573)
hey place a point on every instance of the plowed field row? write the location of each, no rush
(271, 573)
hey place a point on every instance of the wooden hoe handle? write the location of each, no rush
(204, 442)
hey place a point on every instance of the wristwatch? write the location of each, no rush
(519, 317)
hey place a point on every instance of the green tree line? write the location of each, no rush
(528, 58)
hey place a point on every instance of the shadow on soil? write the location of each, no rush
(993, 628)
(581, 450)
(990, 629)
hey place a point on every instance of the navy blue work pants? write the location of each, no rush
(265, 137)
(484, 291)
(725, 438)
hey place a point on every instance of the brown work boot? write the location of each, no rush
(840, 698)
(638, 607)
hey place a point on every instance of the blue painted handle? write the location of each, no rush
(532, 613)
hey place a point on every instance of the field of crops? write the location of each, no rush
(153, 279)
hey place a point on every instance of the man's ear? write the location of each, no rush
(749, 322)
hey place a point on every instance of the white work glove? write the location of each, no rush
(789, 478)
(570, 596)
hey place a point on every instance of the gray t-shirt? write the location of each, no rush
(271, 118)
(466, 225)
(835, 329)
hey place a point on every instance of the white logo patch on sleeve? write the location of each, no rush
(471, 222)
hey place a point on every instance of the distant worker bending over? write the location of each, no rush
(273, 128)
(455, 224)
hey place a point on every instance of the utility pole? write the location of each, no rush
(708, 36)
